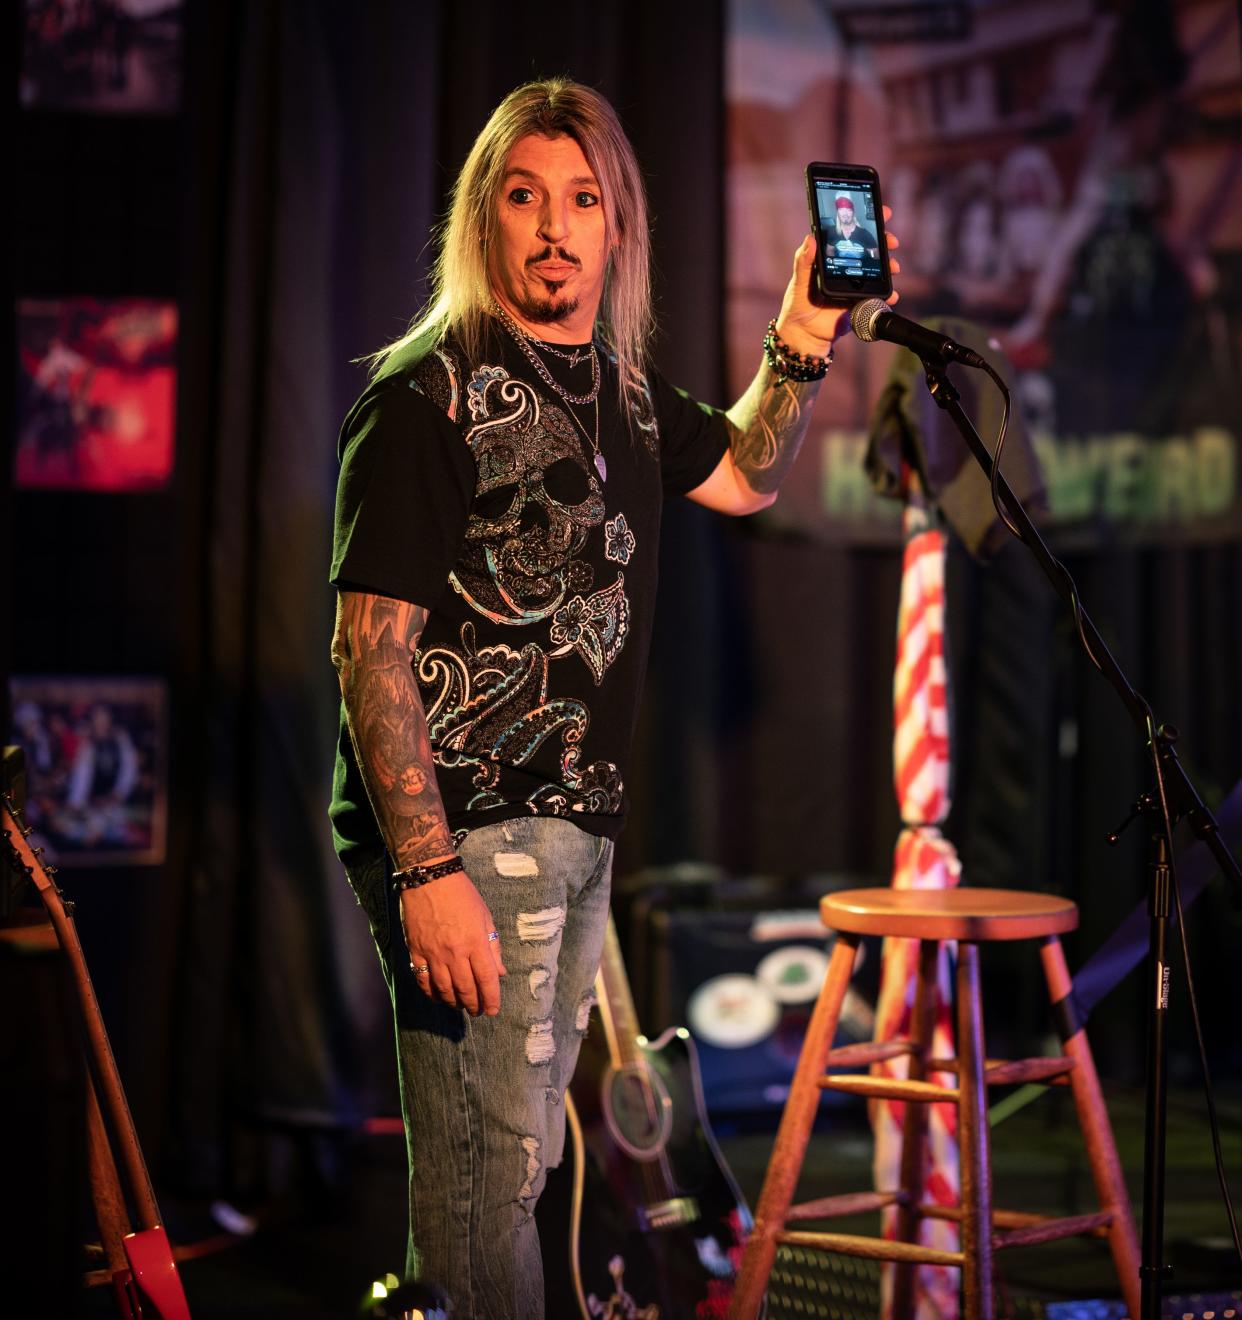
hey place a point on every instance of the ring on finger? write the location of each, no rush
(492, 937)
(420, 969)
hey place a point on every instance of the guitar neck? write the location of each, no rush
(111, 1092)
(142, 1264)
(616, 1003)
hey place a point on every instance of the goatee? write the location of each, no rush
(545, 311)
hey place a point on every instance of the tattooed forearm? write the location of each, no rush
(768, 424)
(371, 649)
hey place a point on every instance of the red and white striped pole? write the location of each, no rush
(923, 860)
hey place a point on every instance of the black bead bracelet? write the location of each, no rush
(788, 364)
(414, 877)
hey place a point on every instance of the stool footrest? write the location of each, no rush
(1049, 1230)
(865, 1053)
(847, 1203)
(871, 1248)
(1095, 1225)
(888, 1088)
(1025, 1228)
(1052, 1070)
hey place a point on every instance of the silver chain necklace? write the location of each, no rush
(578, 355)
(526, 344)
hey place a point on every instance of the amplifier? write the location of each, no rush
(743, 976)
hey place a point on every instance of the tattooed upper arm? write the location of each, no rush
(372, 649)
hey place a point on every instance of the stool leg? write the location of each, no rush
(1097, 1134)
(974, 1139)
(914, 1126)
(792, 1136)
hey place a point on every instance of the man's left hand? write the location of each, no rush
(804, 325)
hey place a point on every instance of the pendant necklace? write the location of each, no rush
(579, 355)
(600, 466)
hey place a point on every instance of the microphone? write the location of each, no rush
(874, 319)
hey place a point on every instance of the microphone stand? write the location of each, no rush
(1174, 794)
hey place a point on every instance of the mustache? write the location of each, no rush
(560, 253)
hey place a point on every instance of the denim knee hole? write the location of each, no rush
(540, 1044)
(540, 927)
(514, 864)
(531, 1147)
(583, 1020)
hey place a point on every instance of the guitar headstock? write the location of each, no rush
(25, 857)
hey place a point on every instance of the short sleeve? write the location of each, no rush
(403, 498)
(693, 436)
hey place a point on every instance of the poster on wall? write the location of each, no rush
(95, 753)
(1066, 182)
(102, 56)
(96, 393)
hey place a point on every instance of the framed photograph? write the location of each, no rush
(102, 56)
(96, 756)
(96, 394)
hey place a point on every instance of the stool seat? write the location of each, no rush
(949, 914)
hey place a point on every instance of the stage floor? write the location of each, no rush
(315, 1255)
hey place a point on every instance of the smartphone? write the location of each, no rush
(847, 219)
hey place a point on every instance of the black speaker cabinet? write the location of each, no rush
(740, 964)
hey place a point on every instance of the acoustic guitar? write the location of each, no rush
(656, 1222)
(139, 1263)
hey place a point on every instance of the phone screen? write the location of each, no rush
(849, 230)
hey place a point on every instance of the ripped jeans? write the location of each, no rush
(482, 1097)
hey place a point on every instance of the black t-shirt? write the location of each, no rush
(471, 489)
(863, 237)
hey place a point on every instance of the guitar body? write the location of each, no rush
(656, 1229)
(154, 1272)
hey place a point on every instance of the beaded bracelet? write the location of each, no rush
(414, 877)
(788, 364)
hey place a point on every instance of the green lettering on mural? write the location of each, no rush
(846, 490)
(1176, 493)
(1216, 469)
(1124, 477)
(1131, 479)
(1069, 473)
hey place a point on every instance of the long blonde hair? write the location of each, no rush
(461, 296)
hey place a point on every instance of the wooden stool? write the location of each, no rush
(971, 917)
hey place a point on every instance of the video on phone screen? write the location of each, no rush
(850, 245)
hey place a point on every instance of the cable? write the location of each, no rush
(1003, 514)
(1001, 436)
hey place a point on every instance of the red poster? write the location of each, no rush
(96, 394)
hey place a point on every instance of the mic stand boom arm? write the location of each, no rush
(1177, 798)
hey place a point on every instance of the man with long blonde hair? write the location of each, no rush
(495, 559)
